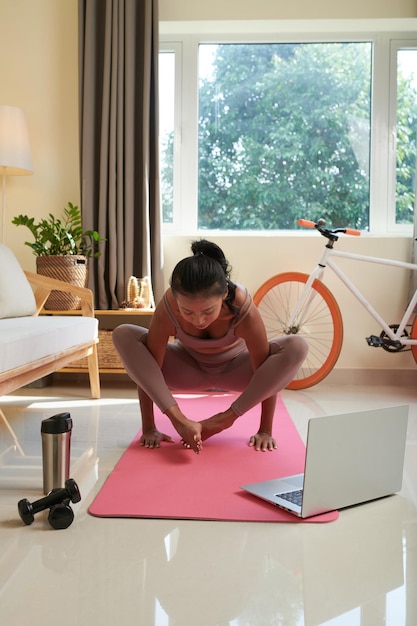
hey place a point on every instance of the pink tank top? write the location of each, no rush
(229, 340)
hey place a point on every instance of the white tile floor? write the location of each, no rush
(359, 570)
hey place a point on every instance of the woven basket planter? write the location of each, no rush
(72, 269)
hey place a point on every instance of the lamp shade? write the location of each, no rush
(15, 156)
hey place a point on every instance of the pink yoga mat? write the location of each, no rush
(173, 482)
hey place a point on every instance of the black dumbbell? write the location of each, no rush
(60, 515)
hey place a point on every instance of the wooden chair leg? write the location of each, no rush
(11, 431)
(94, 373)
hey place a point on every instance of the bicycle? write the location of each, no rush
(293, 303)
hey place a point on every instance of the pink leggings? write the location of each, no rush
(182, 372)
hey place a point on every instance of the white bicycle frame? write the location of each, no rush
(307, 295)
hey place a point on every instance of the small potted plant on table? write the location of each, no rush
(62, 250)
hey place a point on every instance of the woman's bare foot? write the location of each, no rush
(215, 424)
(189, 431)
(190, 435)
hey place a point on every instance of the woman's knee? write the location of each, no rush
(298, 346)
(127, 334)
(295, 347)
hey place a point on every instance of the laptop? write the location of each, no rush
(350, 459)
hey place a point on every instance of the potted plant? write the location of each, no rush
(62, 250)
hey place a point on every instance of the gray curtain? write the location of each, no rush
(118, 69)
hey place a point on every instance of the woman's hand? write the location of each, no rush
(153, 438)
(263, 441)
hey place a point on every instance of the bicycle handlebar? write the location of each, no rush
(306, 223)
(330, 234)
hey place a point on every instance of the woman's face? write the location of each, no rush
(199, 311)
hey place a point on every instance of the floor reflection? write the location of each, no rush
(360, 570)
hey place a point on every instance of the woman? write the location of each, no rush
(220, 343)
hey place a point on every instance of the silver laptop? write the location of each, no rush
(350, 458)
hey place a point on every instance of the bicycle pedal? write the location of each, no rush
(374, 341)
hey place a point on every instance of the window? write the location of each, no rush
(405, 134)
(166, 131)
(262, 132)
(283, 132)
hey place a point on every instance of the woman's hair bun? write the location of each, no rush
(212, 250)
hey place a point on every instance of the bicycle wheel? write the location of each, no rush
(322, 326)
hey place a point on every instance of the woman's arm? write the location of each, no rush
(252, 330)
(160, 330)
(156, 342)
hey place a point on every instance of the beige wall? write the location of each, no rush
(255, 259)
(283, 9)
(39, 69)
(38, 46)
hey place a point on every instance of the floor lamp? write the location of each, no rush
(15, 157)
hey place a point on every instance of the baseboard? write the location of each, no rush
(339, 376)
(397, 377)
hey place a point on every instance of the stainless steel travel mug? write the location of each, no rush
(56, 450)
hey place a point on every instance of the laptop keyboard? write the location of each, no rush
(296, 497)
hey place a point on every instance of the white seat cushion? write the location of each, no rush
(27, 339)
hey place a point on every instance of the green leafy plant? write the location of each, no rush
(59, 237)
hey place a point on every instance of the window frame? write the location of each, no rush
(175, 47)
(186, 38)
(396, 45)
